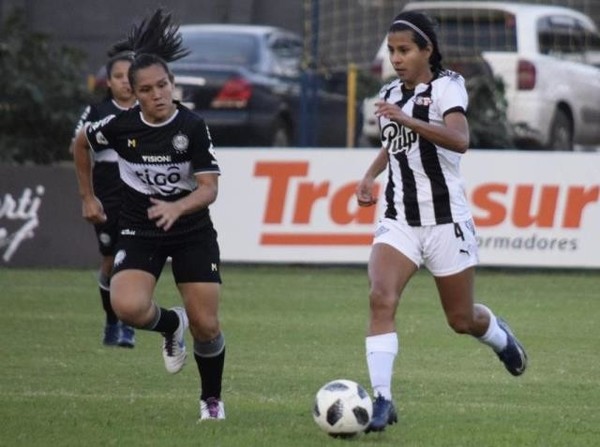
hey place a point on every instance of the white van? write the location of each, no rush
(547, 56)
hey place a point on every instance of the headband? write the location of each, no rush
(415, 28)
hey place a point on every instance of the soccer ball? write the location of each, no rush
(342, 408)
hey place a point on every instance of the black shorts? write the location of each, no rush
(194, 257)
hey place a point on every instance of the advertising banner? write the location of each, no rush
(531, 209)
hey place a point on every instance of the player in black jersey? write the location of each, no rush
(170, 174)
(427, 220)
(108, 188)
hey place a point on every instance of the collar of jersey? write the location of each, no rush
(164, 123)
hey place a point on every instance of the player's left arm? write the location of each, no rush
(453, 135)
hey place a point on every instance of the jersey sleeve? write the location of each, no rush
(204, 157)
(454, 97)
(99, 134)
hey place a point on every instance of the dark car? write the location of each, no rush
(245, 81)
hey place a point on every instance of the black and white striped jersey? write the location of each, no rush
(107, 184)
(156, 160)
(424, 185)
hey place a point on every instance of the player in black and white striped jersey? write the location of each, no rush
(426, 218)
(108, 189)
(170, 173)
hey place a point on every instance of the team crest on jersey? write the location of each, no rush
(181, 142)
(423, 101)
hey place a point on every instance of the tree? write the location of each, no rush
(41, 95)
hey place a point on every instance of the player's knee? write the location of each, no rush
(381, 301)
(204, 327)
(460, 323)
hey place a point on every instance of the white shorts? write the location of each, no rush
(444, 249)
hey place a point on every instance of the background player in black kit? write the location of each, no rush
(108, 188)
(170, 174)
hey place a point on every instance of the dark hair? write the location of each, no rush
(114, 56)
(424, 24)
(153, 41)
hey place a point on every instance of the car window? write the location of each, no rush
(562, 37)
(287, 54)
(217, 48)
(592, 48)
(476, 29)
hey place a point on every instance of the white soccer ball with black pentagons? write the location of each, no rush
(342, 408)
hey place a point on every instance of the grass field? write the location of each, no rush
(289, 330)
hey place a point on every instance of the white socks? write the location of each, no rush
(494, 337)
(381, 353)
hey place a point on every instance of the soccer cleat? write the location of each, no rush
(212, 409)
(384, 414)
(513, 355)
(111, 334)
(174, 344)
(127, 336)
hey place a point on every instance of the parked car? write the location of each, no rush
(245, 81)
(548, 58)
(488, 124)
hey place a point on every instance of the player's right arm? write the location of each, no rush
(365, 188)
(91, 207)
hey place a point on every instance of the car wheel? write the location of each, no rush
(281, 135)
(561, 132)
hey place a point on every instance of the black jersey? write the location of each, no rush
(156, 160)
(107, 182)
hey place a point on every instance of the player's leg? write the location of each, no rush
(138, 265)
(196, 265)
(202, 306)
(451, 259)
(116, 332)
(111, 321)
(389, 271)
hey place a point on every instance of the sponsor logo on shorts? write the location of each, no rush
(120, 257)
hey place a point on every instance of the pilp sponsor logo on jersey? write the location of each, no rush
(397, 138)
(19, 219)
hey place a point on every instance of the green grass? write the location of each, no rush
(289, 330)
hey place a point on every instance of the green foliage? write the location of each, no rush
(40, 97)
(488, 123)
(289, 330)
